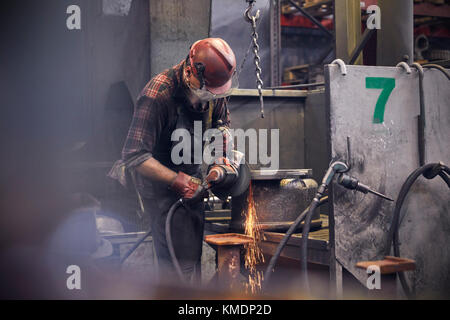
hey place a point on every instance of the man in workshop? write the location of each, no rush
(193, 90)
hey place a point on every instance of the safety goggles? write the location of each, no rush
(204, 94)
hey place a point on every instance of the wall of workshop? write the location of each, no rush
(175, 26)
(69, 94)
(228, 23)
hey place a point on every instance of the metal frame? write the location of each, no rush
(275, 43)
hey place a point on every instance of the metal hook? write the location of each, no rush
(247, 12)
(404, 66)
(341, 65)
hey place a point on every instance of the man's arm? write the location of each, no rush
(144, 132)
(187, 187)
(154, 170)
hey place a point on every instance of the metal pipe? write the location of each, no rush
(368, 33)
(303, 85)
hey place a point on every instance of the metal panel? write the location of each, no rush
(285, 113)
(174, 26)
(395, 38)
(382, 156)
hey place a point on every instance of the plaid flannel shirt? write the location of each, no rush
(155, 118)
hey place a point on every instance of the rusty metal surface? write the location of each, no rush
(318, 244)
(284, 226)
(275, 201)
(264, 174)
(382, 156)
(229, 247)
(389, 264)
(228, 239)
(228, 264)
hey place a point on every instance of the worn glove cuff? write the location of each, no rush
(186, 185)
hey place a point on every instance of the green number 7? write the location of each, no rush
(387, 84)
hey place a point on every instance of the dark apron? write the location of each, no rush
(187, 224)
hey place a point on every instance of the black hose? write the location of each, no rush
(283, 242)
(169, 241)
(393, 236)
(445, 177)
(304, 248)
(175, 262)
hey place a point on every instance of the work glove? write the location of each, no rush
(188, 187)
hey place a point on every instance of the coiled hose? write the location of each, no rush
(429, 171)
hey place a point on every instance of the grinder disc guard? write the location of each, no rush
(239, 187)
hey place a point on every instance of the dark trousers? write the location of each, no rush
(187, 236)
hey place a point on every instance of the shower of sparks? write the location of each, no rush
(253, 254)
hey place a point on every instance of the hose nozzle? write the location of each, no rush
(353, 184)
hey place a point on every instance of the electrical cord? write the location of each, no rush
(429, 171)
(438, 67)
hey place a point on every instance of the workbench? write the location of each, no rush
(318, 244)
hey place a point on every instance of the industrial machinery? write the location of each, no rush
(348, 182)
(279, 196)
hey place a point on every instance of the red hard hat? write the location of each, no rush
(219, 62)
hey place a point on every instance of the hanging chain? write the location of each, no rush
(252, 19)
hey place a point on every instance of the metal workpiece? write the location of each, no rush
(266, 174)
(383, 153)
(278, 200)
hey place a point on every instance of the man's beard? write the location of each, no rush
(194, 103)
